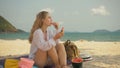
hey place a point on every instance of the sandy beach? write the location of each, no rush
(104, 54)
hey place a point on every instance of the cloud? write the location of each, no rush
(101, 10)
(48, 10)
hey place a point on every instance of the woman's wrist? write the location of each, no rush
(55, 38)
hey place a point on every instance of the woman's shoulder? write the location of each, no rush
(38, 31)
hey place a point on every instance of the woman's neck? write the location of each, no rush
(44, 28)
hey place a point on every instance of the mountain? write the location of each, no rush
(101, 31)
(6, 26)
(20, 31)
(117, 31)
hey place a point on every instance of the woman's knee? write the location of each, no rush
(40, 58)
(60, 47)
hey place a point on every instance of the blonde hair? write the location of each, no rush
(37, 23)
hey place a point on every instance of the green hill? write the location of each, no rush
(101, 31)
(6, 26)
(117, 31)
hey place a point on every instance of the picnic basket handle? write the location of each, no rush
(68, 42)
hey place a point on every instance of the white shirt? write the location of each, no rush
(39, 42)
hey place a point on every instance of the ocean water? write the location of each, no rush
(73, 36)
(93, 36)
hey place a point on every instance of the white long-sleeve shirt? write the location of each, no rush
(39, 42)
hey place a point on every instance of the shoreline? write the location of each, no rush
(68, 39)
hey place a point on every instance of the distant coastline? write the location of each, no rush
(73, 36)
(7, 27)
(10, 32)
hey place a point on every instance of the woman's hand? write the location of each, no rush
(59, 35)
(56, 25)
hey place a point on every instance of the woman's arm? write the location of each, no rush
(39, 41)
(58, 33)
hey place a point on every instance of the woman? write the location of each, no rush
(45, 43)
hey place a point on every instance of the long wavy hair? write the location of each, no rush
(37, 23)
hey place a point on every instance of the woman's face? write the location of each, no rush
(48, 20)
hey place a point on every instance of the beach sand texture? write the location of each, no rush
(104, 54)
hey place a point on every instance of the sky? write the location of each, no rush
(73, 15)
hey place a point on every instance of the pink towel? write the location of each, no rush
(26, 63)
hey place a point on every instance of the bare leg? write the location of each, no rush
(40, 58)
(62, 55)
(54, 56)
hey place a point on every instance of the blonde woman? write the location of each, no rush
(45, 42)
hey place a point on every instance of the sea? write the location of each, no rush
(73, 36)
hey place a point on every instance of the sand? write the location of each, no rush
(14, 47)
(104, 54)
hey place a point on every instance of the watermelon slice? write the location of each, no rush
(77, 60)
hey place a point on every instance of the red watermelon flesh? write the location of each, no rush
(77, 60)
